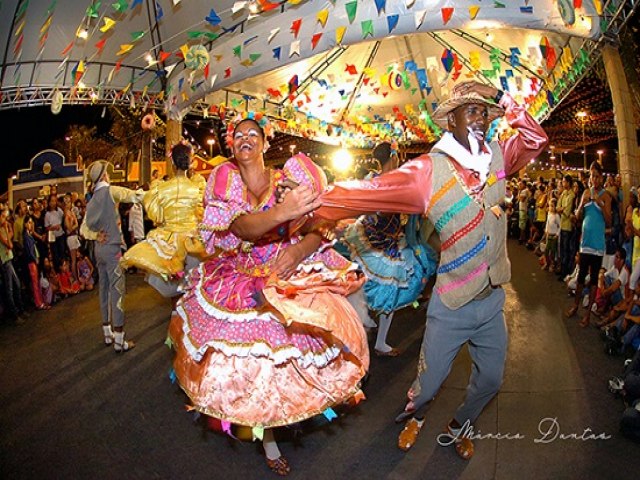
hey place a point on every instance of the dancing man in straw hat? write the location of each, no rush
(460, 187)
(103, 218)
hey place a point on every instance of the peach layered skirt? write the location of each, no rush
(257, 351)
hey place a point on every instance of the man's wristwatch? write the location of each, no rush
(498, 96)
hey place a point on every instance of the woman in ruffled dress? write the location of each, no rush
(397, 267)
(173, 247)
(264, 334)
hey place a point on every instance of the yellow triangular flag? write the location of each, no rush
(473, 12)
(184, 49)
(340, 31)
(108, 23)
(125, 48)
(322, 16)
(45, 25)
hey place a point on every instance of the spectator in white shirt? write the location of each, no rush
(136, 223)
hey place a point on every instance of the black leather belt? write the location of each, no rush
(485, 292)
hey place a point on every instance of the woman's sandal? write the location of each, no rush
(571, 312)
(394, 352)
(279, 466)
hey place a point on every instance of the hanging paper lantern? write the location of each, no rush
(197, 57)
(148, 122)
(395, 80)
(56, 102)
(567, 11)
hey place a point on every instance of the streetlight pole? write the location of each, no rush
(210, 142)
(583, 120)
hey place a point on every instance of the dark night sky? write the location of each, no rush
(29, 130)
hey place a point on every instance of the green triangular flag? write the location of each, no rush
(367, 28)
(351, 8)
(137, 35)
(237, 51)
(120, 6)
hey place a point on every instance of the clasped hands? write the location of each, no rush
(296, 200)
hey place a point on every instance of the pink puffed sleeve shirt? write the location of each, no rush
(408, 189)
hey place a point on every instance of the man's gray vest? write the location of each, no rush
(473, 253)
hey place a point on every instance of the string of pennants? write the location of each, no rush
(562, 66)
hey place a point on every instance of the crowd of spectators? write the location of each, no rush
(544, 218)
(44, 256)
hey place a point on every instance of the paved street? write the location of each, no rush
(72, 409)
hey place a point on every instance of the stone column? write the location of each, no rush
(628, 151)
(173, 135)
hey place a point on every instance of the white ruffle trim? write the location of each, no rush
(279, 357)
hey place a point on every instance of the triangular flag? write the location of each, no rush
(92, 10)
(340, 31)
(100, 45)
(164, 55)
(137, 35)
(473, 12)
(266, 6)
(447, 13)
(272, 34)
(124, 48)
(367, 28)
(237, 51)
(213, 19)
(108, 23)
(315, 39)
(237, 6)
(257, 433)
(120, 6)
(419, 18)
(322, 16)
(276, 52)
(66, 49)
(184, 49)
(351, 8)
(380, 5)
(392, 22)
(295, 48)
(295, 27)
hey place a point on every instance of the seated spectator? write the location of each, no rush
(620, 336)
(85, 271)
(613, 284)
(68, 284)
(571, 280)
(52, 278)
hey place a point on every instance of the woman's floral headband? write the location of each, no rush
(260, 118)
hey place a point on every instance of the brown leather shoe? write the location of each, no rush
(409, 434)
(464, 446)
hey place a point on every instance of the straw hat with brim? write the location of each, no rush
(449, 105)
(96, 170)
